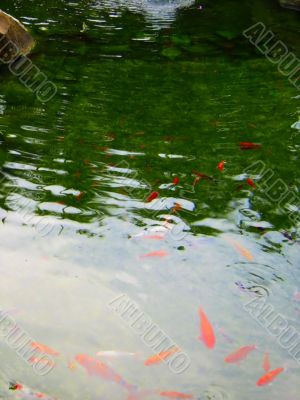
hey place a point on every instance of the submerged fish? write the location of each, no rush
(28, 393)
(114, 354)
(207, 333)
(176, 395)
(266, 363)
(221, 165)
(99, 369)
(38, 360)
(269, 377)
(175, 181)
(241, 249)
(44, 349)
(156, 253)
(249, 146)
(240, 354)
(251, 183)
(163, 355)
(152, 196)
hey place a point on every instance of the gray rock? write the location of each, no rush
(14, 38)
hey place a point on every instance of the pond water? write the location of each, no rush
(152, 97)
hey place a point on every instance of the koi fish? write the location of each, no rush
(269, 377)
(244, 252)
(152, 196)
(203, 176)
(98, 368)
(221, 165)
(153, 237)
(297, 296)
(249, 146)
(239, 355)
(79, 196)
(28, 393)
(44, 349)
(163, 355)
(176, 395)
(157, 253)
(251, 183)
(177, 207)
(266, 363)
(113, 354)
(37, 360)
(207, 333)
(175, 181)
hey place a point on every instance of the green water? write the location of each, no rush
(146, 94)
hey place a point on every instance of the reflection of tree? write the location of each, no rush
(198, 108)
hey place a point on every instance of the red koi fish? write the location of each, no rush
(152, 196)
(266, 363)
(28, 393)
(251, 183)
(239, 355)
(221, 165)
(44, 349)
(175, 181)
(176, 395)
(249, 146)
(199, 176)
(207, 332)
(98, 368)
(157, 253)
(269, 377)
(163, 355)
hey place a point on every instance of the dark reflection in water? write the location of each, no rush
(152, 96)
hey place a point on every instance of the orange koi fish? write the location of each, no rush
(249, 146)
(177, 207)
(44, 349)
(37, 360)
(157, 253)
(266, 363)
(98, 368)
(176, 395)
(251, 183)
(153, 237)
(241, 249)
(163, 355)
(152, 196)
(207, 333)
(221, 165)
(239, 355)
(269, 377)
(175, 181)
